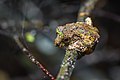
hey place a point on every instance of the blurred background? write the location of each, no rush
(36, 21)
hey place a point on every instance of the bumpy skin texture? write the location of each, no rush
(79, 36)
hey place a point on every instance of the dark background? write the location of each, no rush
(40, 18)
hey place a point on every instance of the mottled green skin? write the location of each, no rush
(77, 36)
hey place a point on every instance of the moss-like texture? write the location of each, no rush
(79, 36)
(67, 65)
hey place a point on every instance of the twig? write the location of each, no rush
(68, 65)
(86, 9)
(32, 58)
(16, 37)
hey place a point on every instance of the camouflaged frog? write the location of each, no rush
(79, 36)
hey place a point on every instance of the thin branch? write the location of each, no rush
(25, 50)
(68, 65)
(86, 9)
(32, 58)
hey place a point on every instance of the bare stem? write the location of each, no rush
(67, 65)
(86, 9)
(32, 58)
